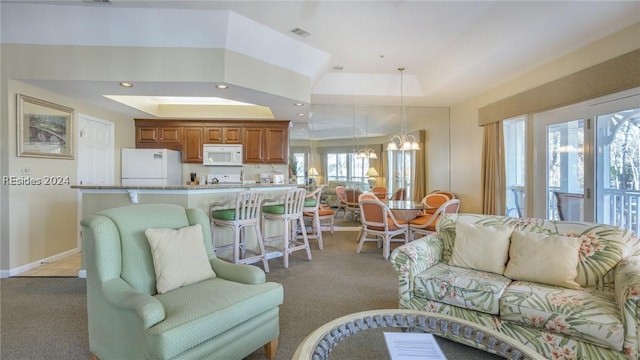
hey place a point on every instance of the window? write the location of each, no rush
(346, 167)
(515, 165)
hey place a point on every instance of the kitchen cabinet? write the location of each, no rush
(266, 145)
(223, 135)
(169, 137)
(192, 144)
(264, 141)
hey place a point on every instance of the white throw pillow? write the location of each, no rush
(545, 259)
(480, 247)
(179, 257)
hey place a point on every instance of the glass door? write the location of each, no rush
(617, 182)
(560, 180)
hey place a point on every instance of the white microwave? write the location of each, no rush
(222, 155)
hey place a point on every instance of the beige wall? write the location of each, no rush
(41, 222)
(466, 136)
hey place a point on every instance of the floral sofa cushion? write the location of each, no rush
(468, 288)
(589, 315)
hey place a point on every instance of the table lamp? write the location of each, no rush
(372, 173)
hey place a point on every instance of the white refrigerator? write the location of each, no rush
(151, 167)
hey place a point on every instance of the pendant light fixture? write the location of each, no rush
(403, 141)
(368, 152)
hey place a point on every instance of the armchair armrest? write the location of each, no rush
(411, 259)
(120, 295)
(246, 274)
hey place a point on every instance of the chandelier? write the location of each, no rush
(403, 141)
(367, 153)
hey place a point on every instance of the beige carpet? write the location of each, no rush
(45, 318)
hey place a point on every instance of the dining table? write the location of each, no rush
(405, 210)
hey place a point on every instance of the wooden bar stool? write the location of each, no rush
(245, 213)
(288, 210)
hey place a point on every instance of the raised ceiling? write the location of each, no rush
(452, 50)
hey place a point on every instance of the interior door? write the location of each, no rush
(95, 151)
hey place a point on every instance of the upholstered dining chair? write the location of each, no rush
(380, 192)
(287, 208)
(433, 201)
(240, 211)
(342, 199)
(314, 213)
(449, 194)
(352, 206)
(426, 224)
(378, 220)
(156, 290)
(400, 194)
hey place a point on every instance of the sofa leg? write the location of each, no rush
(93, 356)
(271, 348)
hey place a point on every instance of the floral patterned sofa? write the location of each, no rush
(569, 290)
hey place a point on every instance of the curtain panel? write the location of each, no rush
(493, 170)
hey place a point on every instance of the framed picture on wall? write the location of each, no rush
(44, 129)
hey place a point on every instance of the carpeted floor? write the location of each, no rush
(45, 318)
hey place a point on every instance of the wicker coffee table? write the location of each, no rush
(321, 342)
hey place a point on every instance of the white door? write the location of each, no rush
(95, 151)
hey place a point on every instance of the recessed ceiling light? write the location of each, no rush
(126, 84)
(222, 86)
(298, 104)
(301, 114)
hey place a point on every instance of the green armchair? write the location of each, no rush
(228, 316)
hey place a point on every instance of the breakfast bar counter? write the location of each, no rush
(96, 198)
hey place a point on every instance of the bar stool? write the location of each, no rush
(315, 214)
(245, 213)
(289, 212)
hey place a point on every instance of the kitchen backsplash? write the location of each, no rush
(251, 172)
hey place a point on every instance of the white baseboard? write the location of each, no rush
(35, 264)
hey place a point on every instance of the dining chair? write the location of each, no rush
(342, 199)
(287, 208)
(352, 206)
(400, 194)
(426, 224)
(380, 192)
(379, 221)
(314, 213)
(449, 194)
(433, 201)
(240, 211)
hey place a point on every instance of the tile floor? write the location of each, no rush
(68, 266)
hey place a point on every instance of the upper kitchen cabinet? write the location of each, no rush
(266, 145)
(165, 137)
(223, 135)
(264, 141)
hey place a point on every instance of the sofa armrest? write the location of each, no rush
(122, 296)
(627, 293)
(411, 259)
(246, 274)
